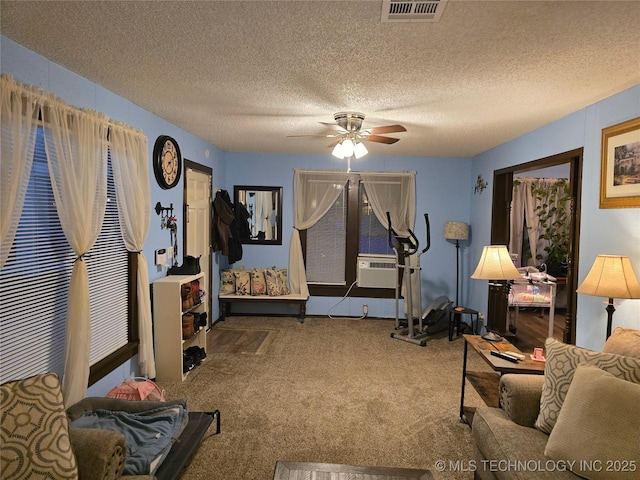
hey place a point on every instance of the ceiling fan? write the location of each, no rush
(349, 134)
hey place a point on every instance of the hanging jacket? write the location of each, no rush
(225, 233)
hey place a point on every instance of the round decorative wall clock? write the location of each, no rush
(167, 161)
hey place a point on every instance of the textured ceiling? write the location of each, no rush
(244, 75)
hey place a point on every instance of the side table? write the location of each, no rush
(455, 320)
(487, 383)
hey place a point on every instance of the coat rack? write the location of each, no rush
(169, 222)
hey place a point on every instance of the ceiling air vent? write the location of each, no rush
(412, 10)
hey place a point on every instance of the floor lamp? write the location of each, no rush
(611, 276)
(495, 264)
(456, 231)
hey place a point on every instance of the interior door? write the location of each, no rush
(197, 220)
(500, 231)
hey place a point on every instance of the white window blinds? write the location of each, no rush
(326, 246)
(35, 280)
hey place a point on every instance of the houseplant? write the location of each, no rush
(552, 207)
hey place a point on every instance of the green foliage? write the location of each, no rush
(554, 220)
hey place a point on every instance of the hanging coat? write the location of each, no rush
(226, 237)
(222, 218)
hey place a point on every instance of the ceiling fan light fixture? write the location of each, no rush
(359, 150)
(338, 151)
(347, 147)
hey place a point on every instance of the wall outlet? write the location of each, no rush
(365, 310)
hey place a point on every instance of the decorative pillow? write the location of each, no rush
(227, 282)
(243, 283)
(283, 281)
(597, 432)
(273, 288)
(562, 360)
(258, 282)
(34, 430)
(624, 341)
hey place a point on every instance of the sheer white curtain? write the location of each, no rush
(18, 120)
(520, 192)
(76, 146)
(130, 167)
(395, 192)
(264, 210)
(314, 192)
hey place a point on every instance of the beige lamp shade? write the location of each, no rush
(611, 276)
(495, 264)
(456, 231)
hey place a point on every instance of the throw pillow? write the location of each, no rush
(35, 430)
(562, 361)
(243, 283)
(258, 282)
(273, 288)
(624, 341)
(227, 282)
(283, 281)
(598, 428)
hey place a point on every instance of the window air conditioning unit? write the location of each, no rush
(376, 271)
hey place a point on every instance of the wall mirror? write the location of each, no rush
(259, 210)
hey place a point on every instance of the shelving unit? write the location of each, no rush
(167, 326)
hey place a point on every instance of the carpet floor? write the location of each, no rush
(328, 391)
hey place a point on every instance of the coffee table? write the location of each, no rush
(487, 384)
(333, 471)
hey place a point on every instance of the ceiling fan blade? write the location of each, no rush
(380, 139)
(326, 135)
(387, 129)
(335, 142)
(334, 126)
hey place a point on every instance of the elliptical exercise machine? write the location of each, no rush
(405, 248)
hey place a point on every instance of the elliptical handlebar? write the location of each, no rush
(390, 231)
(411, 241)
(426, 221)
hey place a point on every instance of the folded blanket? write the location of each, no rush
(149, 435)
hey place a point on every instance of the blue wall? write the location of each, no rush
(444, 190)
(30, 68)
(602, 231)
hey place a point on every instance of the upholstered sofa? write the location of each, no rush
(578, 420)
(36, 440)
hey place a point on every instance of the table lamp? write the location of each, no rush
(495, 264)
(456, 231)
(611, 276)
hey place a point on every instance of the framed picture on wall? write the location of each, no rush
(620, 165)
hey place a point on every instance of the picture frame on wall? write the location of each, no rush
(620, 165)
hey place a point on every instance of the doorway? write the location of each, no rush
(498, 308)
(197, 221)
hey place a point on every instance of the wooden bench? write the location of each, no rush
(292, 298)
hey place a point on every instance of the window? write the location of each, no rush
(35, 280)
(332, 245)
(374, 237)
(326, 244)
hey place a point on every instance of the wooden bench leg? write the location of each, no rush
(303, 311)
(224, 310)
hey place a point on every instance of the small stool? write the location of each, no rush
(454, 320)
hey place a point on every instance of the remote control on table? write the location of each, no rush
(519, 356)
(504, 356)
